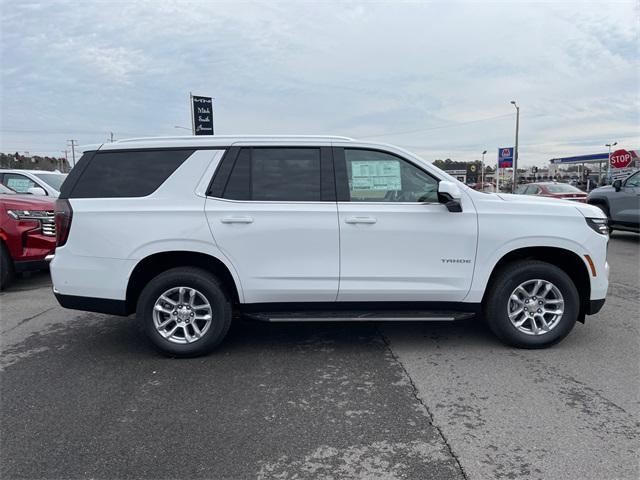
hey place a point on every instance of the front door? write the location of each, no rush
(276, 221)
(397, 243)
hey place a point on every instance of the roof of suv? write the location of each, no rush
(213, 141)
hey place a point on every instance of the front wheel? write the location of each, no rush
(185, 312)
(6, 267)
(531, 304)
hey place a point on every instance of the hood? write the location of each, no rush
(606, 188)
(529, 199)
(585, 209)
(26, 202)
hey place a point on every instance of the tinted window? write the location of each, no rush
(380, 177)
(127, 174)
(276, 174)
(19, 183)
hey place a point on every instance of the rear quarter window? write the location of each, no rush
(127, 173)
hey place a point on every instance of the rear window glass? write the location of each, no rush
(276, 174)
(563, 188)
(127, 173)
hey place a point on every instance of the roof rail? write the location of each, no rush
(236, 137)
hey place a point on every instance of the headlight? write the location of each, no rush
(28, 214)
(600, 225)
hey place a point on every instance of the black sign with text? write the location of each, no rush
(202, 115)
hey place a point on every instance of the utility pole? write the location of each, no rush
(482, 171)
(515, 154)
(608, 163)
(66, 160)
(73, 144)
(111, 137)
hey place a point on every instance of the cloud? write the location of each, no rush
(445, 71)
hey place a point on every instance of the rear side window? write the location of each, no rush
(127, 173)
(276, 174)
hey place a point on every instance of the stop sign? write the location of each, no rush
(620, 159)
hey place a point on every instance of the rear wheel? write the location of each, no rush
(185, 312)
(6, 267)
(531, 304)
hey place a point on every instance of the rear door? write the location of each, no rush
(397, 242)
(272, 212)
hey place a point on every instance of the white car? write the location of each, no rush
(186, 231)
(36, 182)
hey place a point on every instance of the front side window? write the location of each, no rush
(633, 181)
(19, 183)
(375, 176)
(276, 174)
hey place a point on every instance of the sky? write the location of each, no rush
(436, 77)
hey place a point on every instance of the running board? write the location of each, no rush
(359, 316)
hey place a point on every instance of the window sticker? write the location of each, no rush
(376, 175)
(19, 184)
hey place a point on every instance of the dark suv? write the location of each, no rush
(621, 203)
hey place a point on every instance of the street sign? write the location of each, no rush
(505, 157)
(202, 115)
(620, 159)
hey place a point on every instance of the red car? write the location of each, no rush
(562, 191)
(27, 233)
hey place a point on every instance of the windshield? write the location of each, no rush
(563, 188)
(52, 179)
(6, 190)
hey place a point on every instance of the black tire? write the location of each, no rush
(503, 285)
(205, 283)
(6, 267)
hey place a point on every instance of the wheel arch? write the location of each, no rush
(154, 264)
(567, 260)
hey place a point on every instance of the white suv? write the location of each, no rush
(188, 231)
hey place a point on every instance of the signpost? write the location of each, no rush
(621, 164)
(201, 114)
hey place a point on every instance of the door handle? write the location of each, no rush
(352, 220)
(236, 220)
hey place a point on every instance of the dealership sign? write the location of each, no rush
(202, 115)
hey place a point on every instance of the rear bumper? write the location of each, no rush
(595, 306)
(92, 304)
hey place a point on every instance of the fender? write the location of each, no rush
(491, 259)
(185, 245)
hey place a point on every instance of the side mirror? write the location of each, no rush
(37, 191)
(617, 185)
(449, 194)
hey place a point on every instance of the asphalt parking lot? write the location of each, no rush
(84, 396)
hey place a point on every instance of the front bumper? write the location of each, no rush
(595, 306)
(30, 265)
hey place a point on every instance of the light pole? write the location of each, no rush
(482, 169)
(515, 154)
(608, 161)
